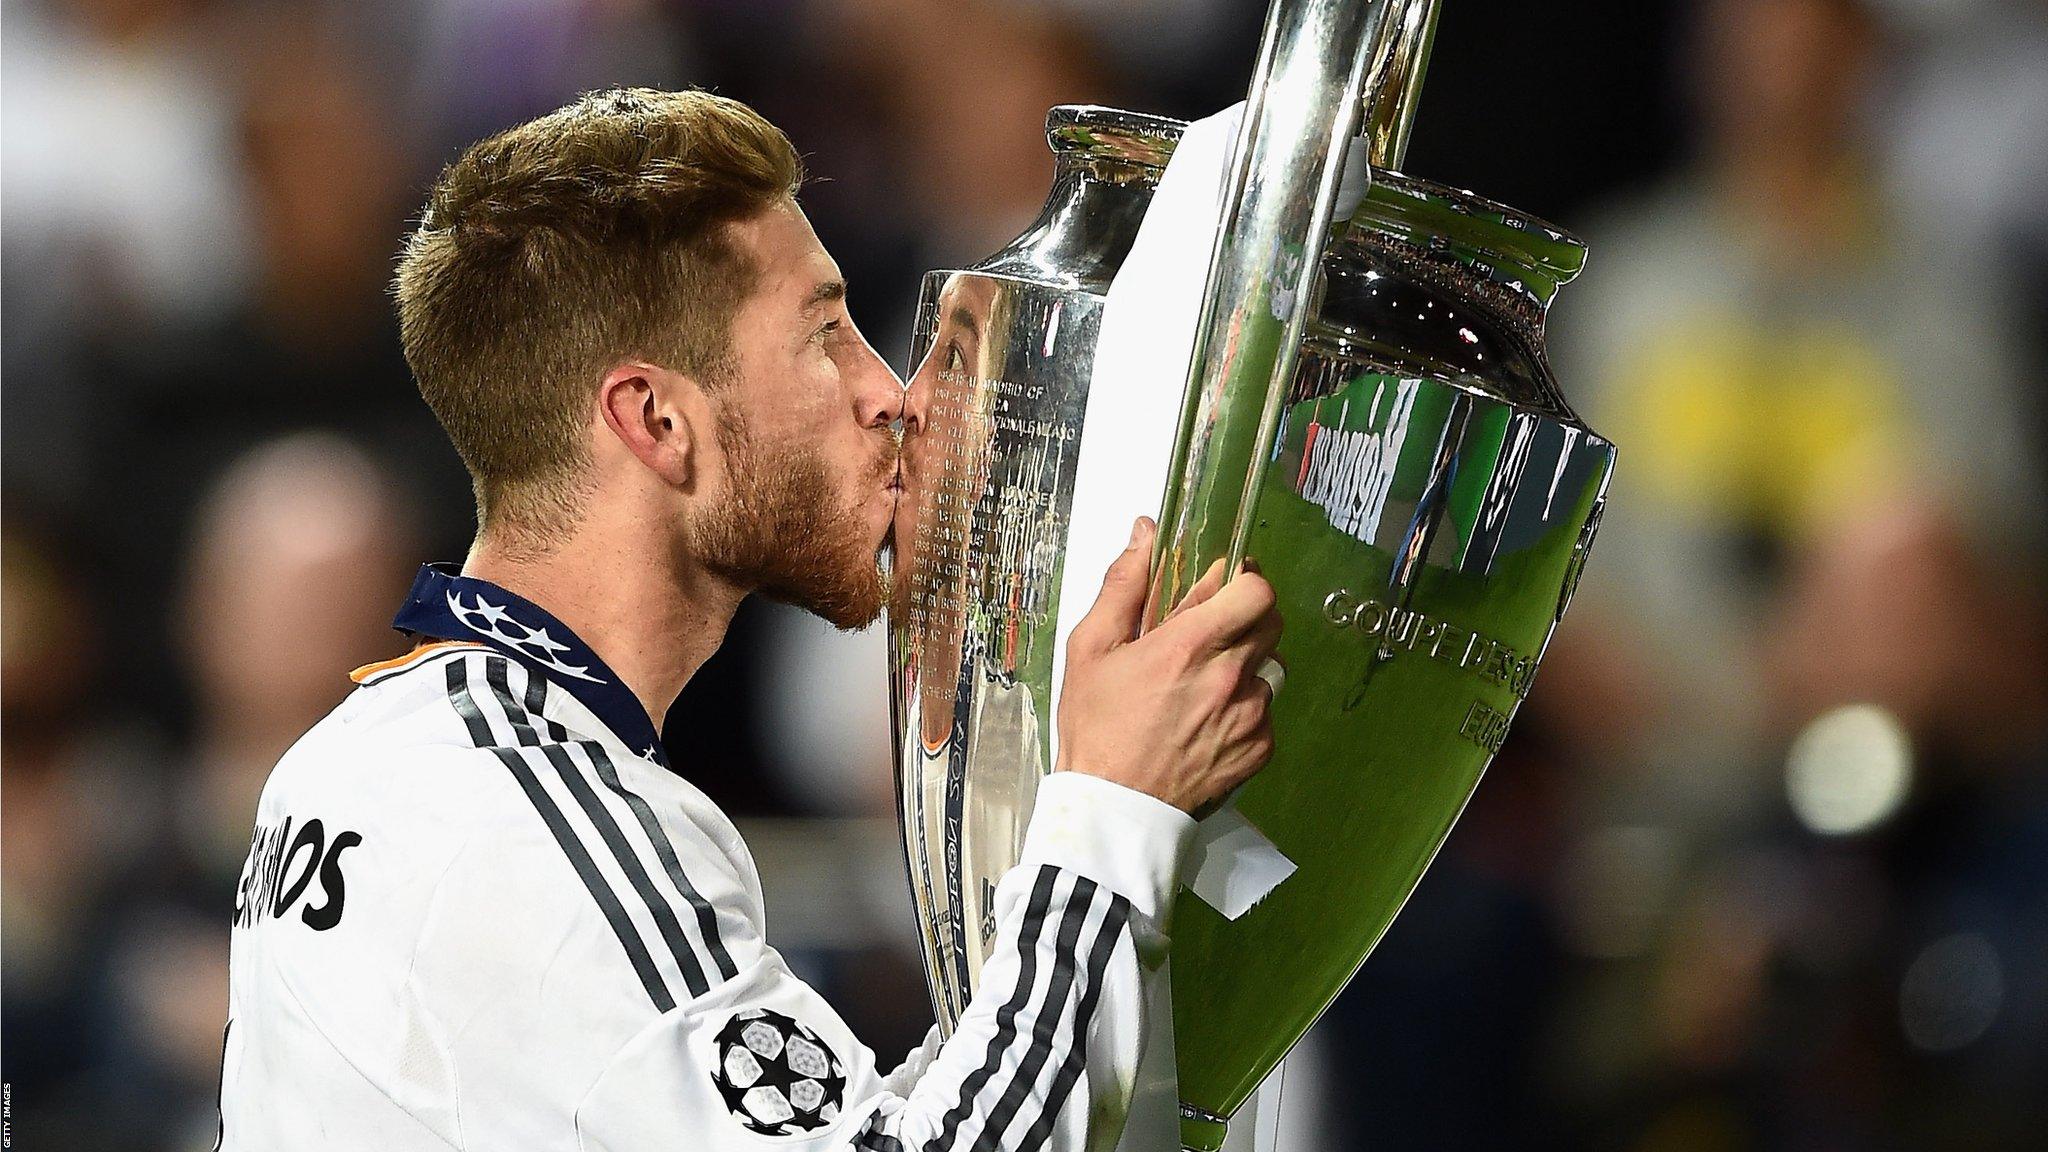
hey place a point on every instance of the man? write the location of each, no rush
(481, 909)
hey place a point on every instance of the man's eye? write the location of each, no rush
(955, 361)
(828, 328)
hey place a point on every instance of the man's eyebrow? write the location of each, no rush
(965, 319)
(824, 293)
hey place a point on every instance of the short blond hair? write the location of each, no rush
(552, 251)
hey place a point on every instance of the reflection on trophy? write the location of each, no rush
(1368, 412)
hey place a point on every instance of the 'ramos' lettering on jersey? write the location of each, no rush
(282, 866)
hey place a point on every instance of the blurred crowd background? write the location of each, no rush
(1765, 862)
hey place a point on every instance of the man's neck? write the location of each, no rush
(652, 619)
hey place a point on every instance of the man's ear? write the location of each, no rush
(660, 417)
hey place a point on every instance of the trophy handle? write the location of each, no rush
(1327, 69)
(1393, 88)
(1316, 59)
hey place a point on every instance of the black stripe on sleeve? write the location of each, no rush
(871, 1140)
(1114, 924)
(629, 862)
(535, 699)
(1045, 1023)
(707, 917)
(465, 706)
(496, 675)
(586, 868)
(1006, 1017)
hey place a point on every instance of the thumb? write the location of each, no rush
(1120, 607)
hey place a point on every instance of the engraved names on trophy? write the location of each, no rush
(950, 446)
(987, 548)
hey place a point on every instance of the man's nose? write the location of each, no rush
(878, 394)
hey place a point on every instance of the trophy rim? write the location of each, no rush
(1143, 138)
(1497, 229)
(1101, 131)
(1471, 203)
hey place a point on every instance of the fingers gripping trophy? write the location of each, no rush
(1366, 410)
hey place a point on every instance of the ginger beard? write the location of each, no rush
(786, 533)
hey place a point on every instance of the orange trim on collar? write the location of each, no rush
(396, 662)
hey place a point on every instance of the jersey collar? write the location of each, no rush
(446, 605)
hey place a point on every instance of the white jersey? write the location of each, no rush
(476, 916)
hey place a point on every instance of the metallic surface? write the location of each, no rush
(1393, 88)
(1248, 477)
(1425, 510)
(1278, 202)
(1001, 361)
(1425, 504)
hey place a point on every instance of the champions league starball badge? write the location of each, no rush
(777, 1076)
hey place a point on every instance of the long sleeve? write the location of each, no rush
(1047, 1050)
(1052, 1037)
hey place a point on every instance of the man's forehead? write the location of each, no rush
(794, 267)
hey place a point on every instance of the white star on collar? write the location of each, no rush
(546, 643)
(491, 613)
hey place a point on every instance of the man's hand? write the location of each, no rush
(1180, 712)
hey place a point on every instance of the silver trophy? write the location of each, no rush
(1368, 412)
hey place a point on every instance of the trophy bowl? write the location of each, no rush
(1426, 507)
